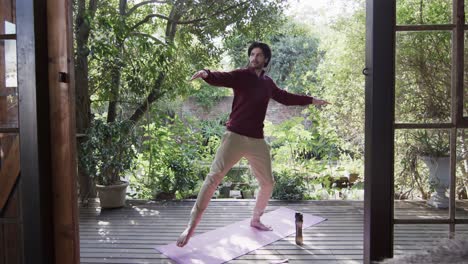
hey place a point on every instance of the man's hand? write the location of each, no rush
(319, 102)
(199, 74)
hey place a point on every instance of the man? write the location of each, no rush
(244, 136)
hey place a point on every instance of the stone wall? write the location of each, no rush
(276, 113)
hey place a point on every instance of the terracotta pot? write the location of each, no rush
(353, 177)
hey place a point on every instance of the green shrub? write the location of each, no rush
(110, 150)
(169, 162)
(288, 185)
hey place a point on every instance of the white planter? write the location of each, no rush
(112, 196)
(439, 178)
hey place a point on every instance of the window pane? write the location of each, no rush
(417, 12)
(7, 14)
(422, 174)
(466, 11)
(423, 77)
(8, 85)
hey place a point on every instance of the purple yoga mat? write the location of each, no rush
(229, 242)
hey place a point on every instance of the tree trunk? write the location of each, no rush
(82, 100)
(116, 72)
(115, 89)
(171, 29)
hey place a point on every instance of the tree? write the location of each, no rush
(84, 14)
(162, 41)
(140, 52)
(341, 79)
(295, 55)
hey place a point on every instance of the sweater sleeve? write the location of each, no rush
(225, 79)
(283, 97)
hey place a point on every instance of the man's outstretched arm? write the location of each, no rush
(218, 78)
(286, 98)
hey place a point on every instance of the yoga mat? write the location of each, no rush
(229, 242)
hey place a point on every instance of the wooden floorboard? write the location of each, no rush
(129, 235)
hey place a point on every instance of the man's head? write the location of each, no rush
(259, 55)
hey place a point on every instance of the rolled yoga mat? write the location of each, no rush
(234, 240)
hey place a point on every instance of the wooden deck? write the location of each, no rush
(129, 235)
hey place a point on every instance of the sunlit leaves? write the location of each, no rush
(340, 75)
(415, 12)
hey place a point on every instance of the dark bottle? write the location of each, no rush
(299, 221)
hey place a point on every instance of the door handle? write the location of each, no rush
(365, 71)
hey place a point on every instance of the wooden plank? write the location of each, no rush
(12, 245)
(9, 172)
(422, 125)
(7, 36)
(9, 130)
(444, 27)
(62, 129)
(2, 245)
(11, 209)
(10, 237)
(130, 234)
(131, 229)
(9, 216)
(457, 92)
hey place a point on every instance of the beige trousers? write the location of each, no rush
(233, 147)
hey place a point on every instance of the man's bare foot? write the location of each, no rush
(260, 226)
(185, 237)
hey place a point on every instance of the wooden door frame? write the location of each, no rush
(47, 131)
(379, 133)
(381, 28)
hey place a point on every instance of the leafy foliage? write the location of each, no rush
(295, 58)
(142, 52)
(110, 151)
(169, 159)
(295, 55)
(424, 12)
(292, 141)
(341, 79)
(288, 185)
(423, 77)
(207, 96)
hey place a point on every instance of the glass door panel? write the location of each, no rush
(422, 176)
(423, 77)
(417, 12)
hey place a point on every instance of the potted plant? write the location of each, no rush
(247, 191)
(431, 147)
(107, 154)
(351, 167)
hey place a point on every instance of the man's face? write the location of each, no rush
(257, 58)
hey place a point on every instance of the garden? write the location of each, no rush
(133, 64)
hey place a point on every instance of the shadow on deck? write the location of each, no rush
(129, 234)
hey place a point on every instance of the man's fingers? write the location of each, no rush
(199, 74)
(321, 102)
(195, 76)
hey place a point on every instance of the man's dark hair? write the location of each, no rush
(264, 47)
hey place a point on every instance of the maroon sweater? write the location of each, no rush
(251, 96)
